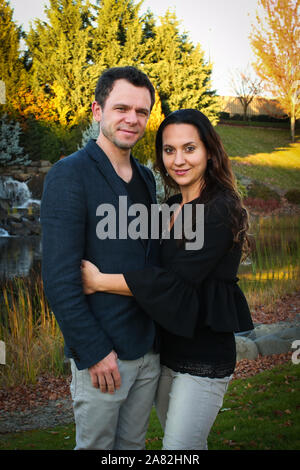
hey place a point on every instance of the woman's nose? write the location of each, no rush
(179, 158)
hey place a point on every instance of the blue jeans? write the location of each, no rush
(187, 407)
(115, 421)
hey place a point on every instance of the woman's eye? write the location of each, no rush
(168, 150)
(190, 149)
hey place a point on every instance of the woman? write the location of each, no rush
(194, 295)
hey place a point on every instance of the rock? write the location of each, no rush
(35, 185)
(45, 169)
(245, 181)
(35, 164)
(291, 333)
(4, 204)
(273, 344)
(17, 228)
(46, 163)
(23, 177)
(3, 214)
(245, 348)
(15, 217)
(267, 339)
(33, 227)
(264, 330)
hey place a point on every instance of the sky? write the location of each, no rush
(221, 27)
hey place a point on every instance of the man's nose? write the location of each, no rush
(131, 117)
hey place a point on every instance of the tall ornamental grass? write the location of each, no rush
(34, 344)
(272, 270)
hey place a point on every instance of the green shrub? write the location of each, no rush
(293, 196)
(50, 140)
(224, 115)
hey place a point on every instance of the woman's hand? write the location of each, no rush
(91, 277)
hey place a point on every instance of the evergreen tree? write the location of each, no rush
(11, 66)
(10, 151)
(60, 58)
(179, 70)
(118, 38)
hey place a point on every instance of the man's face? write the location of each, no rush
(124, 117)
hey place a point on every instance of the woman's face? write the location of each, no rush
(184, 155)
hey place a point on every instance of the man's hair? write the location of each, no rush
(131, 74)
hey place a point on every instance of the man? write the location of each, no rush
(110, 340)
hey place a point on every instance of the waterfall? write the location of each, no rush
(17, 193)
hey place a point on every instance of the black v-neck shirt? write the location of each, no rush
(137, 189)
(139, 193)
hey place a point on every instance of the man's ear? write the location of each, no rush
(97, 111)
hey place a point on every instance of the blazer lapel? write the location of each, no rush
(105, 167)
(151, 190)
(107, 170)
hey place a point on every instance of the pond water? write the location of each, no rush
(19, 257)
(277, 251)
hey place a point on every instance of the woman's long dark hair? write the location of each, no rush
(218, 175)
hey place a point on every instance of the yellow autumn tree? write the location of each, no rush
(275, 40)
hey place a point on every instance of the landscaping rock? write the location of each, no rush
(35, 185)
(267, 339)
(264, 330)
(272, 344)
(245, 348)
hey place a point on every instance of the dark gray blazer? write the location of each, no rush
(92, 325)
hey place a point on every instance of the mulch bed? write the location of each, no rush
(48, 388)
(26, 397)
(285, 309)
(55, 388)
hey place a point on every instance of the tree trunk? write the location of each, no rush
(293, 128)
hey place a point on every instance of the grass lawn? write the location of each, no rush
(244, 141)
(280, 169)
(261, 412)
(263, 154)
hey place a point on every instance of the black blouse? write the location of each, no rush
(195, 299)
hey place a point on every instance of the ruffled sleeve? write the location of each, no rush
(181, 296)
(225, 305)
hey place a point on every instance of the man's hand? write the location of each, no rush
(105, 374)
